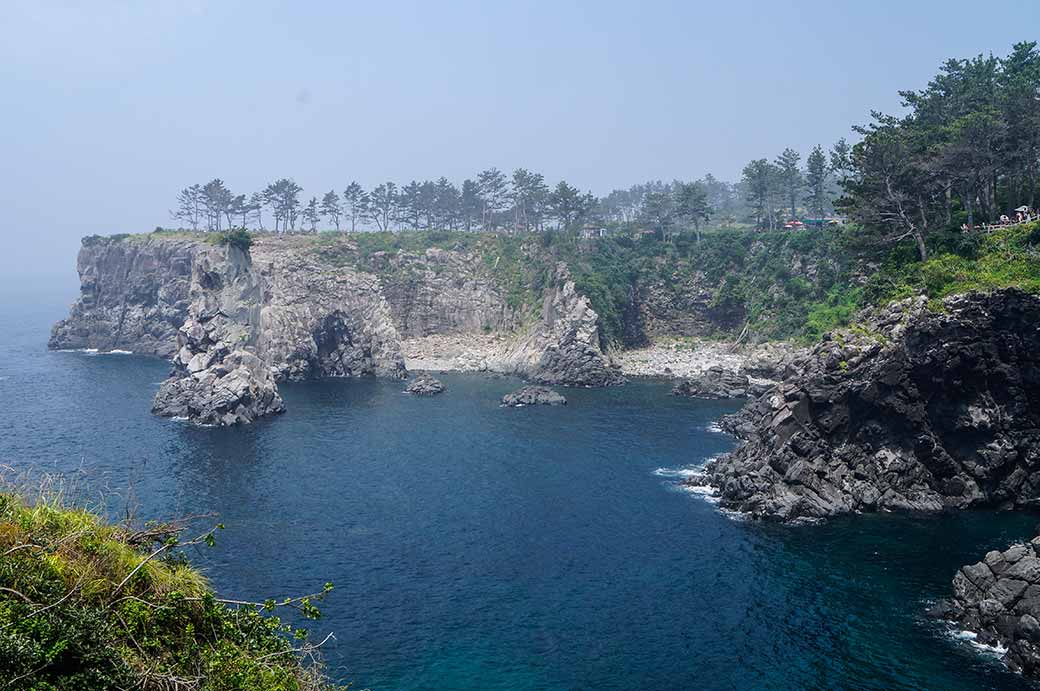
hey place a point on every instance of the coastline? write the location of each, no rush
(668, 358)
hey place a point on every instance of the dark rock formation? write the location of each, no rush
(718, 382)
(533, 395)
(999, 600)
(425, 385)
(915, 409)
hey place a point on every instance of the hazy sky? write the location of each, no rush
(108, 109)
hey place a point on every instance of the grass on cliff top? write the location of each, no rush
(86, 605)
(1006, 258)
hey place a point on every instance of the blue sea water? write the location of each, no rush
(478, 547)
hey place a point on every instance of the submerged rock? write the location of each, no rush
(998, 599)
(425, 385)
(533, 395)
(914, 409)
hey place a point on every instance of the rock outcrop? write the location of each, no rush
(718, 382)
(998, 599)
(563, 346)
(234, 323)
(916, 409)
(425, 385)
(533, 395)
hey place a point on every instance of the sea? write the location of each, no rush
(478, 547)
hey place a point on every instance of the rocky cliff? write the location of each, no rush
(235, 323)
(133, 296)
(998, 599)
(917, 408)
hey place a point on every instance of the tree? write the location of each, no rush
(691, 205)
(528, 194)
(382, 207)
(887, 189)
(569, 206)
(189, 206)
(790, 177)
(471, 206)
(216, 200)
(759, 180)
(816, 174)
(283, 198)
(494, 196)
(409, 206)
(330, 208)
(447, 204)
(311, 214)
(357, 204)
(256, 209)
(658, 211)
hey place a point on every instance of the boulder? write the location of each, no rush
(533, 395)
(425, 385)
(716, 382)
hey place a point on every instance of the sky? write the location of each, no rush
(108, 109)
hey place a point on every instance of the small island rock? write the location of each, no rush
(533, 395)
(425, 385)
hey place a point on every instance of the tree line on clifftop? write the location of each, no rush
(966, 151)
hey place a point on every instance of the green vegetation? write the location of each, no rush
(1008, 257)
(89, 606)
(236, 237)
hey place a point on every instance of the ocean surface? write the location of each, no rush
(477, 547)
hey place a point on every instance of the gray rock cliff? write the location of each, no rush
(235, 323)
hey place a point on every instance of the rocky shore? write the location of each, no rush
(998, 600)
(915, 408)
(235, 323)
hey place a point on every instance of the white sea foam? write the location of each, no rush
(118, 352)
(85, 351)
(705, 493)
(714, 427)
(972, 638)
(685, 472)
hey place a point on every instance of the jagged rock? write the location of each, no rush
(1000, 604)
(913, 410)
(239, 389)
(718, 382)
(563, 347)
(533, 395)
(425, 385)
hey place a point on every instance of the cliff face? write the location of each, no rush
(917, 409)
(133, 296)
(235, 323)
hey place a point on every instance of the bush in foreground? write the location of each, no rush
(86, 605)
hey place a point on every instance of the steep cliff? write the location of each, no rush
(133, 296)
(915, 409)
(234, 323)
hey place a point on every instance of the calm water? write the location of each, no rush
(476, 547)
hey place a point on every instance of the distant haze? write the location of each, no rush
(108, 109)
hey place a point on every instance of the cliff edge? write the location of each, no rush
(236, 322)
(917, 408)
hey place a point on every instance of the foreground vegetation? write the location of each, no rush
(87, 605)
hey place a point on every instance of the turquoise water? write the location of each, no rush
(477, 547)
